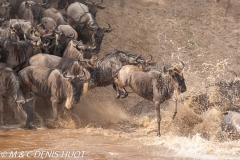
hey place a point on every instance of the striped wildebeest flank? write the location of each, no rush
(74, 67)
(107, 68)
(51, 84)
(153, 85)
(10, 88)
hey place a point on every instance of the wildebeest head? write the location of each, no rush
(98, 37)
(74, 92)
(4, 12)
(93, 6)
(16, 28)
(177, 77)
(35, 9)
(127, 58)
(61, 42)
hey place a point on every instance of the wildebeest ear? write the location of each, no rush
(27, 5)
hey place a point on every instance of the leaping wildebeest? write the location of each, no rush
(10, 88)
(107, 68)
(52, 85)
(153, 85)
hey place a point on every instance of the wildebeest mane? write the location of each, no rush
(66, 64)
(164, 86)
(116, 53)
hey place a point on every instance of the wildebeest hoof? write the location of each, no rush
(118, 96)
(158, 134)
(124, 95)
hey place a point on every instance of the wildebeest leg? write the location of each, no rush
(54, 106)
(1, 110)
(157, 109)
(15, 109)
(19, 113)
(121, 92)
(175, 108)
(116, 88)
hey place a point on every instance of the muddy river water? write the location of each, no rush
(100, 143)
(110, 132)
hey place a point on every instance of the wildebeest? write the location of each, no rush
(231, 122)
(64, 64)
(92, 6)
(31, 11)
(56, 42)
(82, 21)
(51, 84)
(15, 53)
(77, 50)
(10, 89)
(22, 28)
(153, 85)
(107, 68)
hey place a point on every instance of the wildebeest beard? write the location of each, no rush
(164, 86)
(42, 85)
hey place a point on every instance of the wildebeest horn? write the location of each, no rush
(92, 48)
(46, 35)
(75, 45)
(81, 76)
(82, 47)
(71, 36)
(89, 2)
(137, 59)
(2, 19)
(65, 75)
(150, 58)
(97, 3)
(58, 32)
(44, 4)
(107, 29)
(46, 44)
(29, 99)
(53, 28)
(182, 65)
(42, 24)
(96, 57)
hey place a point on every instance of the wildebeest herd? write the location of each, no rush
(50, 49)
